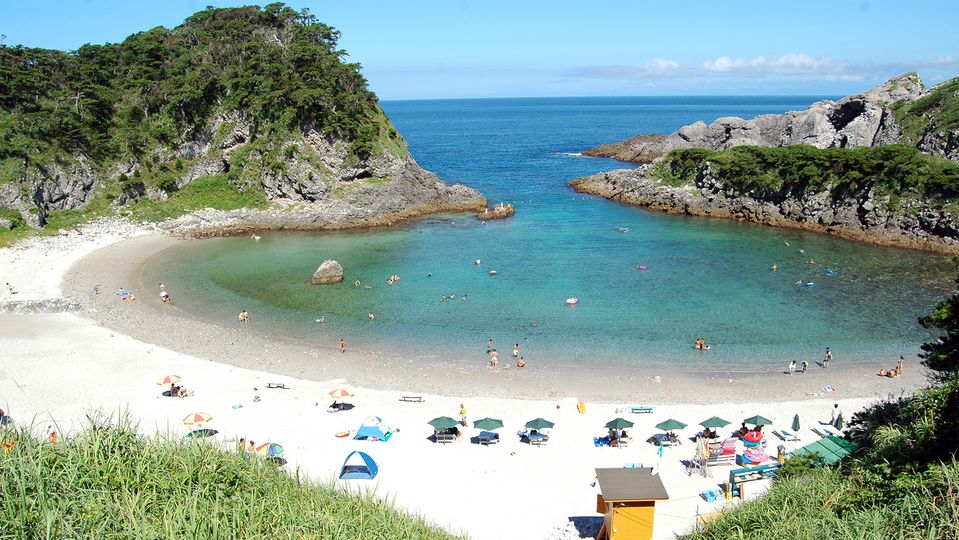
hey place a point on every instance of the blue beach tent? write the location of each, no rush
(362, 468)
(373, 429)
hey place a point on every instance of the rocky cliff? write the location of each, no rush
(865, 215)
(254, 102)
(873, 118)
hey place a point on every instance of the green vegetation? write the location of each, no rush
(902, 482)
(209, 192)
(937, 111)
(110, 483)
(792, 171)
(276, 71)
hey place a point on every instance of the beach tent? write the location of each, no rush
(373, 429)
(362, 467)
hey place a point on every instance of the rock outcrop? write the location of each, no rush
(858, 120)
(911, 223)
(328, 272)
(497, 211)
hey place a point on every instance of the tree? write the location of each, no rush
(942, 355)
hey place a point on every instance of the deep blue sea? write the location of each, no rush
(703, 278)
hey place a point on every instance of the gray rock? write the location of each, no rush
(328, 272)
(6, 224)
(853, 121)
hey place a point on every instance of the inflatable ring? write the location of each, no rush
(753, 437)
(342, 434)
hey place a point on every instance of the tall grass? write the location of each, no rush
(110, 483)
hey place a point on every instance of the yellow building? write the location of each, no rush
(628, 498)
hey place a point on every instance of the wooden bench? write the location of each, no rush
(412, 399)
(641, 409)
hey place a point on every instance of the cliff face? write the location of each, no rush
(258, 99)
(869, 217)
(869, 119)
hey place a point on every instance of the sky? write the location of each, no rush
(491, 48)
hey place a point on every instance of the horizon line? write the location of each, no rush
(826, 96)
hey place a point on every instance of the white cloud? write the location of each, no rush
(792, 63)
(662, 66)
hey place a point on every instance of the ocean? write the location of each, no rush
(644, 295)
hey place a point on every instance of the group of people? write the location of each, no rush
(802, 369)
(893, 372)
(179, 391)
(701, 345)
(393, 279)
(494, 355)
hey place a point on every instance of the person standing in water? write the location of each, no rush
(827, 358)
(805, 365)
(489, 346)
(515, 351)
(902, 362)
(342, 345)
(792, 366)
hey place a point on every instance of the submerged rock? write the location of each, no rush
(499, 211)
(328, 272)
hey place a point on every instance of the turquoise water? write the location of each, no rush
(703, 277)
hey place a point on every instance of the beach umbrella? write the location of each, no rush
(488, 423)
(839, 421)
(200, 433)
(670, 425)
(758, 421)
(619, 423)
(714, 422)
(340, 393)
(196, 418)
(796, 423)
(269, 449)
(169, 379)
(443, 422)
(539, 423)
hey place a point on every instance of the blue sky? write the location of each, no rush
(492, 48)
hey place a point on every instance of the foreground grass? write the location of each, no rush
(903, 482)
(110, 483)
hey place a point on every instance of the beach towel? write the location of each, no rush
(601, 441)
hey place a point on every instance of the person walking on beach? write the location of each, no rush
(827, 358)
(792, 366)
(902, 362)
(493, 358)
(342, 345)
(805, 366)
(462, 414)
(836, 413)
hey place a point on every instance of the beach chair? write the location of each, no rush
(785, 434)
(444, 438)
(826, 430)
(622, 442)
(537, 439)
(487, 438)
(277, 385)
(412, 399)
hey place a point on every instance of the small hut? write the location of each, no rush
(628, 499)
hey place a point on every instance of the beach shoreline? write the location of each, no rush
(246, 345)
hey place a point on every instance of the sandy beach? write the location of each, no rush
(108, 355)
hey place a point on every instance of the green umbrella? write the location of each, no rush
(796, 423)
(619, 423)
(443, 422)
(488, 423)
(758, 421)
(669, 425)
(714, 422)
(539, 423)
(839, 421)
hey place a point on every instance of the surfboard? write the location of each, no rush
(581, 407)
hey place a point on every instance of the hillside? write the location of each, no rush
(110, 482)
(900, 111)
(257, 104)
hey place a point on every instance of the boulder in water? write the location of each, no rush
(328, 272)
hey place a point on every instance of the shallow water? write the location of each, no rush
(703, 277)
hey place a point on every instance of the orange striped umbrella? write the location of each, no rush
(340, 393)
(196, 418)
(169, 379)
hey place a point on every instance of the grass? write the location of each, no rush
(110, 483)
(215, 192)
(940, 107)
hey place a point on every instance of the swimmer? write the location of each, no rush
(367, 287)
(429, 274)
(356, 284)
(465, 296)
(371, 315)
(812, 261)
(477, 262)
(521, 362)
(798, 282)
(774, 267)
(244, 316)
(321, 320)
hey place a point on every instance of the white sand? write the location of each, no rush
(59, 367)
